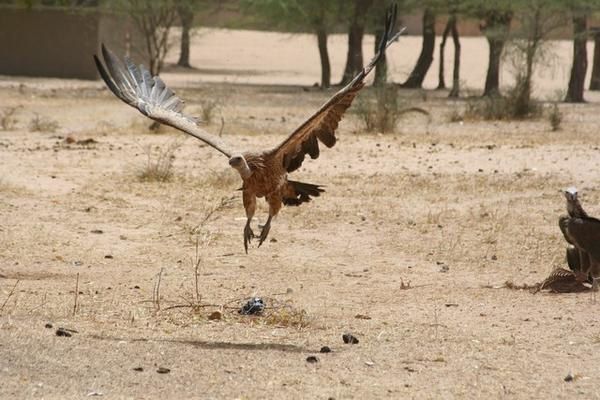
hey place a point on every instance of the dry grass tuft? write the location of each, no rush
(8, 119)
(287, 316)
(555, 118)
(383, 114)
(159, 163)
(40, 123)
(208, 109)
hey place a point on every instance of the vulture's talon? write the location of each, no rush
(264, 233)
(248, 236)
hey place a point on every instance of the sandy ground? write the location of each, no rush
(409, 249)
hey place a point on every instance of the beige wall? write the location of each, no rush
(58, 43)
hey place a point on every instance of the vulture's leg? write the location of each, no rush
(274, 207)
(265, 230)
(250, 206)
(585, 266)
(595, 272)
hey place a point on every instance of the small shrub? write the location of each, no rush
(288, 316)
(43, 124)
(209, 107)
(456, 116)
(7, 118)
(159, 163)
(555, 117)
(383, 114)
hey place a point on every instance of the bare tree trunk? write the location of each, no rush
(497, 25)
(354, 60)
(577, 80)
(417, 76)
(324, 56)
(381, 67)
(187, 18)
(441, 79)
(455, 91)
(595, 82)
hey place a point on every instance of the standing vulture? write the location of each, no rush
(264, 173)
(583, 232)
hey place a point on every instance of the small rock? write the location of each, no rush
(570, 377)
(48, 326)
(349, 338)
(325, 349)
(97, 231)
(312, 359)
(494, 257)
(369, 363)
(63, 332)
(273, 240)
(215, 315)
(362, 316)
(109, 257)
(138, 369)
(163, 370)
(451, 304)
(77, 263)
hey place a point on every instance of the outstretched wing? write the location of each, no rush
(136, 87)
(321, 125)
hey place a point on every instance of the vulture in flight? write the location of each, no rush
(583, 232)
(264, 173)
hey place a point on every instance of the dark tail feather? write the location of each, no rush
(298, 192)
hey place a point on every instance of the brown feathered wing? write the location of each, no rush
(321, 126)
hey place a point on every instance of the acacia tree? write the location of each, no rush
(376, 16)
(579, 10)
(154, 19)
(595, 81)
(496, 27)
(356, 30)
(538, 20)
(417, 76)
(453, 8)
(185, 10)
(317, 15)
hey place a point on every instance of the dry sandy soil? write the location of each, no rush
(410, 249)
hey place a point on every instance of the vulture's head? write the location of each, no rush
(570, 194)
(238, 162)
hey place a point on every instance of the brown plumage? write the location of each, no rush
(264, 173)
(583, 233)
(562, 281)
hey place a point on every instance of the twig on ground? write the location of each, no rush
(12, 291)
(75, 305)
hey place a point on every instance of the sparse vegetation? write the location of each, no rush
(8, 118)
(287, 316)
(507, 107)
(39, 123)
(383, 114)
(208, 109)
(159, 163)
(555, 117)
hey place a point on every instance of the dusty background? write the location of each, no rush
(452, 209)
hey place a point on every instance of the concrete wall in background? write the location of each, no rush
(59, 43)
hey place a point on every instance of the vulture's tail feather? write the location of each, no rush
(297, 193)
